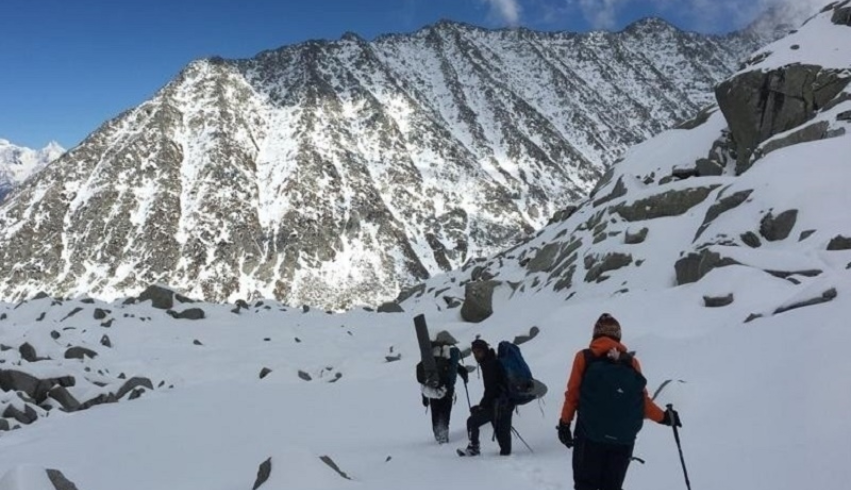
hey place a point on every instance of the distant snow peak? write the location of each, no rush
(336, 173)
(18, 163)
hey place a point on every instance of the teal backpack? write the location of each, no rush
(611, 400)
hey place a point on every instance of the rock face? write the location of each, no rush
(759, 105)
(335, 173)
(478, 301)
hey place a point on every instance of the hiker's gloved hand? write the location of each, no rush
(475, 409)
(464, 374)
(425, 401)
(672, 418)
(564, 435)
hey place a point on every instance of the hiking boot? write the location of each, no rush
(472, 450)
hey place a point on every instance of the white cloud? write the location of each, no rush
(507, 11)
(601, 14)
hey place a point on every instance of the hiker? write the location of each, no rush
(495, 407)
(607, 425)
(441, 395)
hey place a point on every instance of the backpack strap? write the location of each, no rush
(625, 358)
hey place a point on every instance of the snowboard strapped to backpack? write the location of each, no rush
(611, 400)
(522, 388)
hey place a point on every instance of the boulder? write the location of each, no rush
(751, 239)
(563, 215)
(265, 372)
(842, 16)
(839, 242)
(100, 314)
(160, 297)
(26, 417)
(59, 481)
(104, 341)
(778, 228)
(303, 375)
(390, 307)
(478, 301)
(331, 464)
(813, 132)
(444, 338)
(28, 352)
(805, 234)
(544, 259)
(80, 353)
(133, 383)
(72, 313)
(718, 301)
(108, 323)
(722, 206)
(608, 263)
(671, 203)
(263, 474)
(760, 104)
(188, 314)
(695, 266)
(844, 116)
(636, 238)
(522, 339)
(709, 168)
(825, 297)
(64, 398)
(618, 192)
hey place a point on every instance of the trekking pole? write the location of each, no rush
(679, 445)
(469, 406)
(523, 441)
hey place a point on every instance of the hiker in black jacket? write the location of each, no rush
(494, 408)
(440, 398)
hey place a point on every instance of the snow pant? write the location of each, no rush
(441, 409)
(599, 466)
(500, 418)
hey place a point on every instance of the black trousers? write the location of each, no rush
(441, 410)
(500, 418)
(599, 466)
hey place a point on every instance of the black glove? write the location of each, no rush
(672, 418)
(462, 371)
(564, 435)
(425, 401)
(475, 409)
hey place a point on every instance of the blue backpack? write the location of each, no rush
(519, 376)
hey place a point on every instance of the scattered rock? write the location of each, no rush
(544, 259)
(522, 339)
(41, 317)
(720, 207)
(610, 262)
(303, 375)
(709, 168)
(813, 132)
(65, 399)
(55, 335)
(795, 47)
(189, 314)
(751, 239)
(73, 312)
(28, 416)
(806, 234)
(839, 242)
(100, 314)
(3, 316)
(844, 116)
(407, 293)
(778, 228)
(265, 372)
(305, 308)
(28, 352)
(397, 357)
(263, 473)
(108, 323)
(4, 425)
(563, 215)
(825, 297)
(4, 348)
(842, 16)
(695, 266)
(452, 302)
(197, 342)
(104, 341)
(445, 338)
(59, 481)
(671, 203)
(80, 353)
(617, 192)
(390, 307)
(87, 301)
(718, 301)
(636, 238)
(786, 275)
(40, 295)
(132, 384)
(752, 317)
(160, 297)
(330, 462)
(478, 301)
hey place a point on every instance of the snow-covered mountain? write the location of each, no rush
(334, 173)
(18, 163)
(723, 248)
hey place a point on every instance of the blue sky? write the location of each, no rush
(66, 66)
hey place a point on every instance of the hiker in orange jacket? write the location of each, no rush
(600, 460)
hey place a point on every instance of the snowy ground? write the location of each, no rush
(764, 404)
